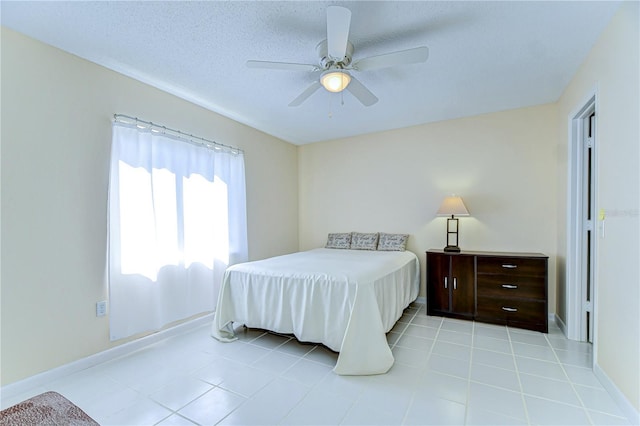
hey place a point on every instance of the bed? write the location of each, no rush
(345, 299)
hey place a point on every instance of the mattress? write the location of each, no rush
(345, 299)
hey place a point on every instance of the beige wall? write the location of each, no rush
(56, 118)
(502, 164)
(612, 72)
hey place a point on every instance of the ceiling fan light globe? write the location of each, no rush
(335, 81)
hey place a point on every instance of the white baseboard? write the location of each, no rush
(421, 299)
(627, 408)
(45, 377)
(561, 325)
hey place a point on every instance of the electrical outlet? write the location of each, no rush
(101, 308)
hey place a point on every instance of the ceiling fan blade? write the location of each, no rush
(304, 95)
(281, 66)
(338, 22)
(402, 57)
(363, 94)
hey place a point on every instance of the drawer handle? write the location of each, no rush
(455, 283)
(504, 308)
(511, 286)
(445, 283)
(509, 266)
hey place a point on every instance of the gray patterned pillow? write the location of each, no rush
(339, 241)
(360, 241)
(392, 242)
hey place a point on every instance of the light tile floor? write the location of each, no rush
(446, 372)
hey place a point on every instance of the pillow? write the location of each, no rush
(392, 242)
(360, 241)
(339, 241)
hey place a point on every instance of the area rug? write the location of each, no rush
(49, 408)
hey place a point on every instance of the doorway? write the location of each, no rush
(582, 220)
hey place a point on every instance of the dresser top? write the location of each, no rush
(488, 253)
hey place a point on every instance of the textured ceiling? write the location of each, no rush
(484, 56)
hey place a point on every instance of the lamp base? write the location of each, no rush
(454, 249)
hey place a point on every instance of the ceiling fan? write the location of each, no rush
(336, 63)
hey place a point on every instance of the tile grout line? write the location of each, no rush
(413, 395)
(561, 365)
(466, 405)
(584, 407)
(515, 363)
(279, 375)
(404, 329)
(429, 353)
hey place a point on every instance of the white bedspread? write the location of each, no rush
(345, 299)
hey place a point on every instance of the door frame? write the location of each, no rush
(574, 271)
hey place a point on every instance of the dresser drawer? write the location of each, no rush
(511, 310)
(520, 266)
(509, 286)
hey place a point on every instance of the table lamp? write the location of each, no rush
(452, 206)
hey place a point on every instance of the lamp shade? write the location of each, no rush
(453, 206)
(335, 81)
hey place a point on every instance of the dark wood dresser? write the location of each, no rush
(493, 287)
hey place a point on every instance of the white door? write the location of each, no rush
(582, 226)
(588, 217)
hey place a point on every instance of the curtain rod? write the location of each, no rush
(121, 118)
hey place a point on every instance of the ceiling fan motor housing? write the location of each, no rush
(328, 63)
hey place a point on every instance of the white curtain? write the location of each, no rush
(177, 219)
